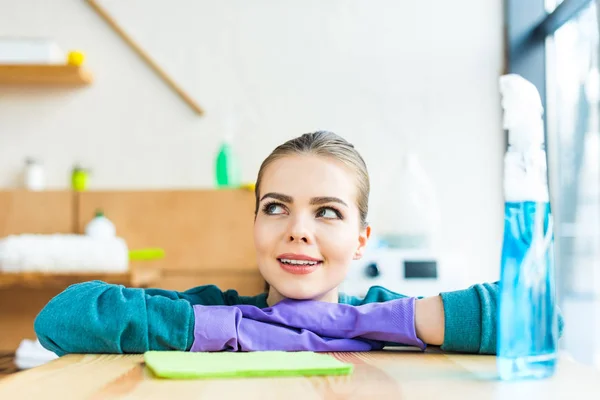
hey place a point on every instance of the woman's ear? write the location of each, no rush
(363, 238)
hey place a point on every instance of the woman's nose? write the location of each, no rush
(298, 237)
(299, 232)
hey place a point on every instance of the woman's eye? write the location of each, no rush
(328, 213)
(274, 209)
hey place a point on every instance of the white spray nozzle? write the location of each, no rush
(523, 111)
(525, 159)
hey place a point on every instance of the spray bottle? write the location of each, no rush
(227, 170)
(527, 314)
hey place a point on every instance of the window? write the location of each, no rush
(556, 47)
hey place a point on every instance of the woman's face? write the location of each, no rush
(307, 229)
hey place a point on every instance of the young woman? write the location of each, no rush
(311, 222)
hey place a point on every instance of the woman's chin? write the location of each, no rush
(299, 294)
(302, 296)
(306, 293)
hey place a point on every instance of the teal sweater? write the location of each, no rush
(96, 317)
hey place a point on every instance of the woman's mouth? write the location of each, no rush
(298, 264)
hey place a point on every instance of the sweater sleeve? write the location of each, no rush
(96, 317)
(471, 319)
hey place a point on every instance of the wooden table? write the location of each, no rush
(390, 374)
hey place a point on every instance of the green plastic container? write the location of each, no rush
(227, 171)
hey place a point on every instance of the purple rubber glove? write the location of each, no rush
(391, 321)
(305, 325)
(219, 328)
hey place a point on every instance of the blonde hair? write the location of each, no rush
(326, 144)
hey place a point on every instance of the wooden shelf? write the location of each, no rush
(18, 74)
(138, 277)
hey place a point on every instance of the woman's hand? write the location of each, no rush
(392, 321)
(429, 320)
(225, 328)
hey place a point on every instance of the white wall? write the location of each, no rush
(377, 72)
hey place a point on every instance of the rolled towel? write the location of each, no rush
(63, 253)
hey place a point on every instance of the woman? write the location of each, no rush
(311, 222)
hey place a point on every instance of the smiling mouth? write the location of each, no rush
(289, 261)
(299, 267)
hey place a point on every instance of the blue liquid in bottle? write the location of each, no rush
(527, 325)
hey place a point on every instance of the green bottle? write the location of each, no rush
(227, 166)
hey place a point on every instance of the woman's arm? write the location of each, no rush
(429, 320)
(386, 322)
(463, 321)
(96, 317)
(248, 328)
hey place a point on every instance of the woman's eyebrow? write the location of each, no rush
(278, 196)
(323, 200)
(315, 201)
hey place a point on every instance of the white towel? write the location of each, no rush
(63, 253)
(31, 354)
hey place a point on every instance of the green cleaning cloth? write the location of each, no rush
(186, 365)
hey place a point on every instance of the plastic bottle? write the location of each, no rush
(79, 178)
(527, 316)
(35, 178)
(414, 224)
(227, 171)
(100, 227)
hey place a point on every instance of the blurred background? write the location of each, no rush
(146, 121)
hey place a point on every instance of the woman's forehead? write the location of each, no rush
(309, 176)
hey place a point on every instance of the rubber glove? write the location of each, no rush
(218, 328)
(305, 325)
(391, 321)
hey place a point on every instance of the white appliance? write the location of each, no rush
(412, 272)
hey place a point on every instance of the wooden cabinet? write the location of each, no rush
(206, 236)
